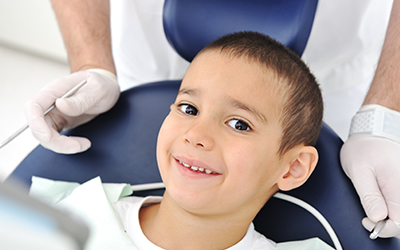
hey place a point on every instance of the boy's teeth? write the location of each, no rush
(184, 164)
(199, 169)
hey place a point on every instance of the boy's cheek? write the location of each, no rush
(168, 124)
(168, 130)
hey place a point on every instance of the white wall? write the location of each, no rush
(31, 26)
(37, 57)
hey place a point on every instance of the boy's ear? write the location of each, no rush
(302, 164)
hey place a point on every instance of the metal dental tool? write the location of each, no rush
(377, 229)
(22, 129)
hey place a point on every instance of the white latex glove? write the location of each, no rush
(98, 95)
(371, 162)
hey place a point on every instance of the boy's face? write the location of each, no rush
(217, 148)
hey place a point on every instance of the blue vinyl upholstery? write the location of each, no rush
(124, 138)
(288, 21)
(123, 150)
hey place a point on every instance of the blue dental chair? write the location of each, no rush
(124, 138)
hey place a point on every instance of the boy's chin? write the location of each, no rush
(192, 201)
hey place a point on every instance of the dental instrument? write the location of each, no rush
(23, 128)
(377, 229)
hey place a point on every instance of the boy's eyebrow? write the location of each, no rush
(192, 92)
(239, 105)
(232, 102)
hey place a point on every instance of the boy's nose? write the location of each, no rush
(200, 135)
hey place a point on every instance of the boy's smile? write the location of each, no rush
(217, 149)
(196, 167)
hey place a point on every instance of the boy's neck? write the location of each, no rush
(172, 228)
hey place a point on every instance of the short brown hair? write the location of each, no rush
(302, 111)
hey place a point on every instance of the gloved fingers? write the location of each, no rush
(36, 120)
(90, 100)
(49, 137)
(38, 104)
(373, 202)
(55, 89)
(367, 187)
(75, 105)
(45, 130)
(98, 95)
(391, 228)
(67, 144)
(360, 156)
(388, 179)
(368, 224)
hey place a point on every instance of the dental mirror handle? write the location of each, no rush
(377, 229)
(23, 128)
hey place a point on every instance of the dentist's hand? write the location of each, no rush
(98, 95)
(372, 164)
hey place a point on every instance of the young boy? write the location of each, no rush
(242, 127)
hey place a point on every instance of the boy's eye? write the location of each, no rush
(188, 109)
(239, 125)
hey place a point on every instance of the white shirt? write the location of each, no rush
(114, 222)
(128, 210)
(141, 51)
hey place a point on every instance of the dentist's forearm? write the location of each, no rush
(85, 27)
(385, 87)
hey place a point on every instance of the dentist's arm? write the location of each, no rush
(85, 27)
(385, 87)
(371, 160)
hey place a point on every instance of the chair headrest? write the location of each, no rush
(190, 25)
